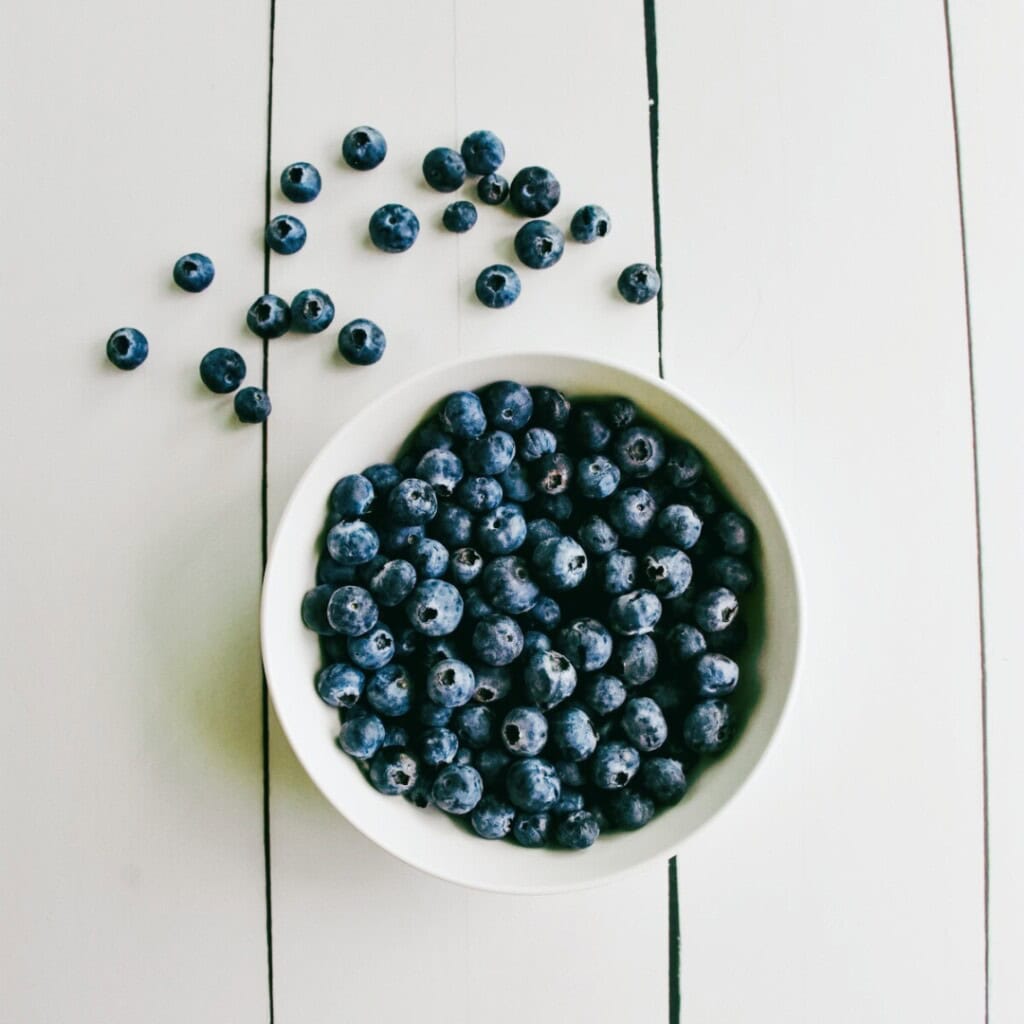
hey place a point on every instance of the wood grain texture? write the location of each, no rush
(131, 866)
(814, 302)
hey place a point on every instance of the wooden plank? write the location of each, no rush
(987, 40)
(132, 874)
(814, 303)
(451, 68)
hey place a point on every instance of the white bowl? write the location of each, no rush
(427, 839)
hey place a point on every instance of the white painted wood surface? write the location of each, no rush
(813, 302)
(988, 40)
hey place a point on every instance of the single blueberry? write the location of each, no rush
(573, 733)
(300, 182)
(465, 565)
(703, 497)
(269, 317)
(644, 724)
(639, 283)
(397, 540)
(550, 407)
(586, 643)
(635, 612)
(444, 169)
(492, 818)
(539, 244)
(252, 405)
(621, 412)
(465, 756)
(429, 558)
(352, 611)
(715, 609)
(532, 784)
(707, 727)
(482, 151)
(127, 348)
(632, 511)
(597, 476)
(222, 370)
(667, 570)
(597, 535)
(535, 191)
(553, 473)
(479, 493)
(515, 483)
(497, 640)
(372, 650)
(560, 562)
(364, 148)
(393, 771)
(462, 414)
(352, 495)
(538, 530)
(391, 583)
(535, 640)
(194, 272)
(498, 286)
(491, 765)
(619, 572)
(314, 609)
(383, 476)
(685, 642)
(312, 311)
(492, 189)
(452, 526)
(389, 691)
(352, 542)
(450, 683)
(491, 453)
(412, 502)
(501, 530)
(361, 342)
(459, 216)
(603, 693)
(537, 441)
(578, 831)
(734, 532)
(457, 789)
(524, 731)
(614, 764)
(684, 466)
(629, 810)
(493, 683)
(434, 608)
(340, 685)
(570, 801)
(546, 613)
(716, 675)
(731, 572)
(664, 780)
(589, 223)
(407, 642)
(531, 830)
(476, 606)
(681, 525)
(639, 451)
(549, 677)
(589, 429)
(438, 746)
(507, 586)
(285, 234)
(393, 227)
(636, 659)
(361, 736)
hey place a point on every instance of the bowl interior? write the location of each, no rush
(427, 839)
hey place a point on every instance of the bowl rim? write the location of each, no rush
(661, 854)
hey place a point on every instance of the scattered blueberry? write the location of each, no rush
(492, 189)
(498, 286)
(393, 228)
(438, 746)
(550, 407)
(597, 477)
(389, 691)
(639, 283)
(222, 370)
(285, 234)
(573, 734)
(507, 586)
(312, 311)
(352, 542)
(535, 191)
(632, 511)
(450, 683)
(531, 830)
(664, 779)
(560, 562)
(636, 659)
(364, 148)
(539, 244)
(734, 532)
(589, 223)
(586, 643)
(604, 693)
(501, 530)
(597, 536)
(483, 152)
(269, 317)
(639, 451)
(629, 810)
(361, 342)
(252, 405)
(667, 570)
(681, 525)
(127, 348)
(459, 216)
(300, 182)
(194, 272)
(352, 611)
(444, 169)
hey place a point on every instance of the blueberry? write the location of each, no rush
(497, 640)
(492, 189)
(498, 286)
(716, 675)
(549, 677)
(560, 562)
(644, 724)
(285, 234)
(450, 683)
(614, 764)
(398, 540)
(685, 642)
(392, 583)
(597, 477)
(300, 182)
(483, 152)
(412, 502)
(619, 572)
(554, 473)
(352, 495)
(438, 746)
(578, 830)
(629, 810)
(589, 223)
(434, 608)
(127, 348)
(639, 283)
(535, 640)
(383, 476)
(707, 727)
(372, 650)
(515, 483)
(535, 191)
(429, 558)
(465, 565)
(491, 453)
(361, 736)
(550, 408)
(636, 659)
(452, 525)
(194, 272)
(597, 536)
(463, 414)
(603, 693)
(351, 611)
(684, 466)
(537, 441)
(431, 435)
(491, 765)
(621, 412)
(664, 780)
(352, 542)
(222, 370)
(459, 216)
(393, 771)
(475, 726)
(531, 830)
(269, 317)
(639, 451)
(533, 785)
(252, 405)
(444, 169)
(507, 585)
(493, 682)
(715, 609)
(538, 530)
(393, 227)
(681, 525)
(546, 613)
(340, 685)
(632, 511)
(501, 530)
(667, 570)
(457, 789)
(479, 493)
(635, 612)
(361, 342)
(586, 643)
(389, 691)
(573, 734)
(732, 573)
(364, 148)
(314, 609)
(539, 244)
(312, 311)
(524, 731)
(433, 716)
(589, 429)
(476, 606)
(492, 818)
(734, 532)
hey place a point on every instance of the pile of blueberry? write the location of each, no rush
(530, 619)
(539, 244)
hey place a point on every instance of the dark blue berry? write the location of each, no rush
(493, 682)
(452, 525)
(498, 286)
(482, 151)
(538, 530)
(457, 789)
(507, 586)
(314, 609)
(644, 724)
(589, 223)
(340, 685)
(450, 683)
(560, 562)
(664, 780)
(614, 764)
(127, 348)
(501, 530)
(619, 572)
(479, 493)
(685, 642)
(603, 693)
(539, 244)
(352, 611)
(372, 650)
(361, 736)
(412, 501)
(389, 691)
(681, 525)
(573, 734)
(459, 216)
(222, 370)
(535, 191)
(531, 830)
(597, 477)
(537, 441)
(492, 189)
(393, 227)
(383, 476)
(444, 169)
(629, 810)
(312, 311)
(549, 677)
(434, 608)
(589, 429)
(252, 405)
(465, 565)
(533, 785)
(491, 453)
(632, 511)
(636, 659)
(597, 535)
(364, 148)
(441, 469)
(639, 283)
(492, 818)
(553, 473)
(497, 640)
(546, 613)
(524, 731)
(668, 571)
(393, 771)
(194, 272)
(716, 675)
(734, 532)
(352, 542)
(352, 495)
(639, 451)
(586, 643)
(732, 573)
(300, 182)
(684, 466)
(550, 407)
(578, 831)
(285, 234)
(715, 609)
(635, 612)
(515, 483)
(269, 317)
(707, 727)
(438, 746)
(462, 414)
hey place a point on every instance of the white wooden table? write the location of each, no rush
(164, 858)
